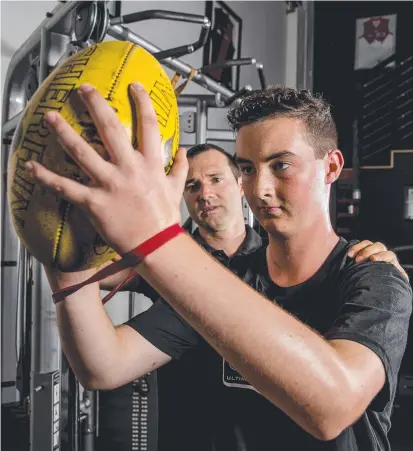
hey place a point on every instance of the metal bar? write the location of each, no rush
(124, 34)
(228, 63)
(220, 135)
(408, 247)
(186, 100)
(201, 122)
(160, 14)
(9, 126)
(44, 50)
(89, 429)
(31, 42)
(305, 42)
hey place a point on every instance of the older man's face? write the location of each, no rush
(212, 193)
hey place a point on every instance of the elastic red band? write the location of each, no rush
(130, 259)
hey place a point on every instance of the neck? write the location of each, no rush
(293, 260)
(228, 240)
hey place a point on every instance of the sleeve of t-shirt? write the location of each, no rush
(165, 329)
(377, 304)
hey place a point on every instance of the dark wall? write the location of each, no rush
(382, 202)
(382, 190)
(334, 50)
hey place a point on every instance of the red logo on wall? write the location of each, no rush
(376, 29)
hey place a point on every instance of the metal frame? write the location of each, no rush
(120, 32)
(305, 44)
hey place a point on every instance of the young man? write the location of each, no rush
(313, 363)
(213, 197)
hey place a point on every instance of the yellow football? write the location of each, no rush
(53, 230)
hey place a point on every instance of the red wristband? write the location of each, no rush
(150, 245)
(130, 259)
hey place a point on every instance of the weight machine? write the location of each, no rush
(43, 406)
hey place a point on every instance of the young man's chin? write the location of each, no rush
(276, 226)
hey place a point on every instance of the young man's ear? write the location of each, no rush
(334, 165)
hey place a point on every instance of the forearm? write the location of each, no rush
(113, 281)
(282, 358)
(88, 336)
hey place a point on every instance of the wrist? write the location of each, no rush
(157, 240)
(129, 259)
(59, 280)
(133, 241)
(163, 256)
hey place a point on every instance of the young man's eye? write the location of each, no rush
(282, 166)
(217, 179)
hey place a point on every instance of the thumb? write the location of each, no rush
(179, 169)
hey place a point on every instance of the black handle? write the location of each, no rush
(226, 64)
(177, 52)
(238, 94)
(260, 69)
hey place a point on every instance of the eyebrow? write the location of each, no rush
(215, 174)
(273, 156)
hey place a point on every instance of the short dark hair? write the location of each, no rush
(200, 148)
(279, 101)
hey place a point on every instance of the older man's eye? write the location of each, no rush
(247, 170)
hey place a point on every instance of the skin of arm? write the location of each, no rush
(101, 355)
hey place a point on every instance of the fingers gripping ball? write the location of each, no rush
(53, 230)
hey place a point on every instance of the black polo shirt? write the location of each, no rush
(218, 410)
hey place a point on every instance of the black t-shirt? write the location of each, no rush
(369, 303)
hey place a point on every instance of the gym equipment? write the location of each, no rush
(54, 231)
(128, 416)
(31, 346)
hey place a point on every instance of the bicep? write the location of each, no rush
(364, 370)
(137, 356)
(370, 330)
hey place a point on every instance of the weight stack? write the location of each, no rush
(128, 416)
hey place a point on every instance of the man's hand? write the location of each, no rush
(129, 198)
(377, 252)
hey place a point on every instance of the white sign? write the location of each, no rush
(375, 40)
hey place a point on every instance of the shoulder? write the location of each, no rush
(376, 282)
(249, 266)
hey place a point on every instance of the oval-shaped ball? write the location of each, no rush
(53, 230)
